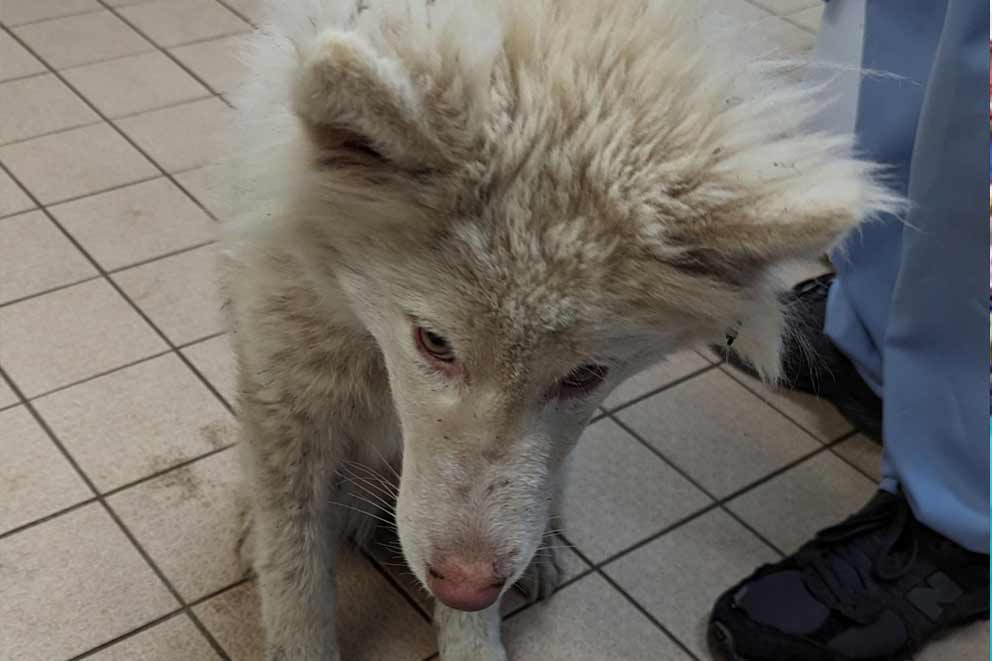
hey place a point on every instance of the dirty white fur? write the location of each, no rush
(546, 184)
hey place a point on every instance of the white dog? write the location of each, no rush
(461, 224)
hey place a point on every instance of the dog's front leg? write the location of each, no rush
(296, 580)
(465, 636)
(296, 536)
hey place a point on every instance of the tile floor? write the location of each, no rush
(117, 517)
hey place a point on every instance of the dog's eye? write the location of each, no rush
(582, 380)
(435, 346)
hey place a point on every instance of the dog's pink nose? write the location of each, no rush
(464, 585)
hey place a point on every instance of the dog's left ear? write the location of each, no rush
(736, 249)
(361, 106)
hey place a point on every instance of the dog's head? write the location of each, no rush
(526, 205)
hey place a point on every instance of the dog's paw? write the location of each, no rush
(542, 578)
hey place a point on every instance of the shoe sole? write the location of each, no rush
(722, 641)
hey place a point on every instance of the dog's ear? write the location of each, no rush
(768, 214)
(359, 106)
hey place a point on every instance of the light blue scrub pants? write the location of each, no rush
(909, 305)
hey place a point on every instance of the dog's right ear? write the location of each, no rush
(360, 107)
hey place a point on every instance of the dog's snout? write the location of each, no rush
(467, 585)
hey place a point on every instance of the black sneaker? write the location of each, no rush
(811, 363)
(876, 587)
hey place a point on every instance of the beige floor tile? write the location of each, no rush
(206, 185)
(678, 578)
(758, 29)
(74, 163)
(134, 84)
(250, 9)
(864, 453)
(809, 18)
(656, 376)
(570, 564)
(37, 105)
(817, 416)
(176, 639)
(587, 621)
(718, 432)
(217, 62)
(71, 334)
(137, 421)
(16, 12)
(72, 583)
(374, 622)
(787, 40)
(35, 256)
(37, 479)
(173, 22)
(139, 222)
(12, 198)
(215, 360)
(188, 522)
(221, 191)
(179, 293)
(15, 61)
(968, 644)
(181, 137)
(74, 40)
(7, 395)
(785, 7)
(618, 492)
(789, 509)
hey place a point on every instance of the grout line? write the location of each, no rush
(95, 263)
(51, 18)
(109, 189)
(671, 384)
(124, 636)
(394, 583)
(158, 258)
(238, 13)
(48, 517)
(116, 490)
(767, 400)
(722, 502)
(651, 618)
(597, 569)
(113, 515)
(165, 471)
(26, 76)
(788, 19)
(167, 106)
(159, 354)
(49, 134)
(119, 269)
(207, 40)
(216, 593)
(112, 125)
(164, 50)
(833, 450)
(51, 290)
(17, 213)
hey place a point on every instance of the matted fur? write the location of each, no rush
(546, 183)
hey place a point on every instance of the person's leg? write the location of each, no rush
(901, 39)
(934, 371)
(882, 583)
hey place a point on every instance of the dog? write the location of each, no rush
(460, 224)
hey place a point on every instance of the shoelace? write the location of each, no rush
(849, 557)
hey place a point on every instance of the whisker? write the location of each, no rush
(361, 511)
